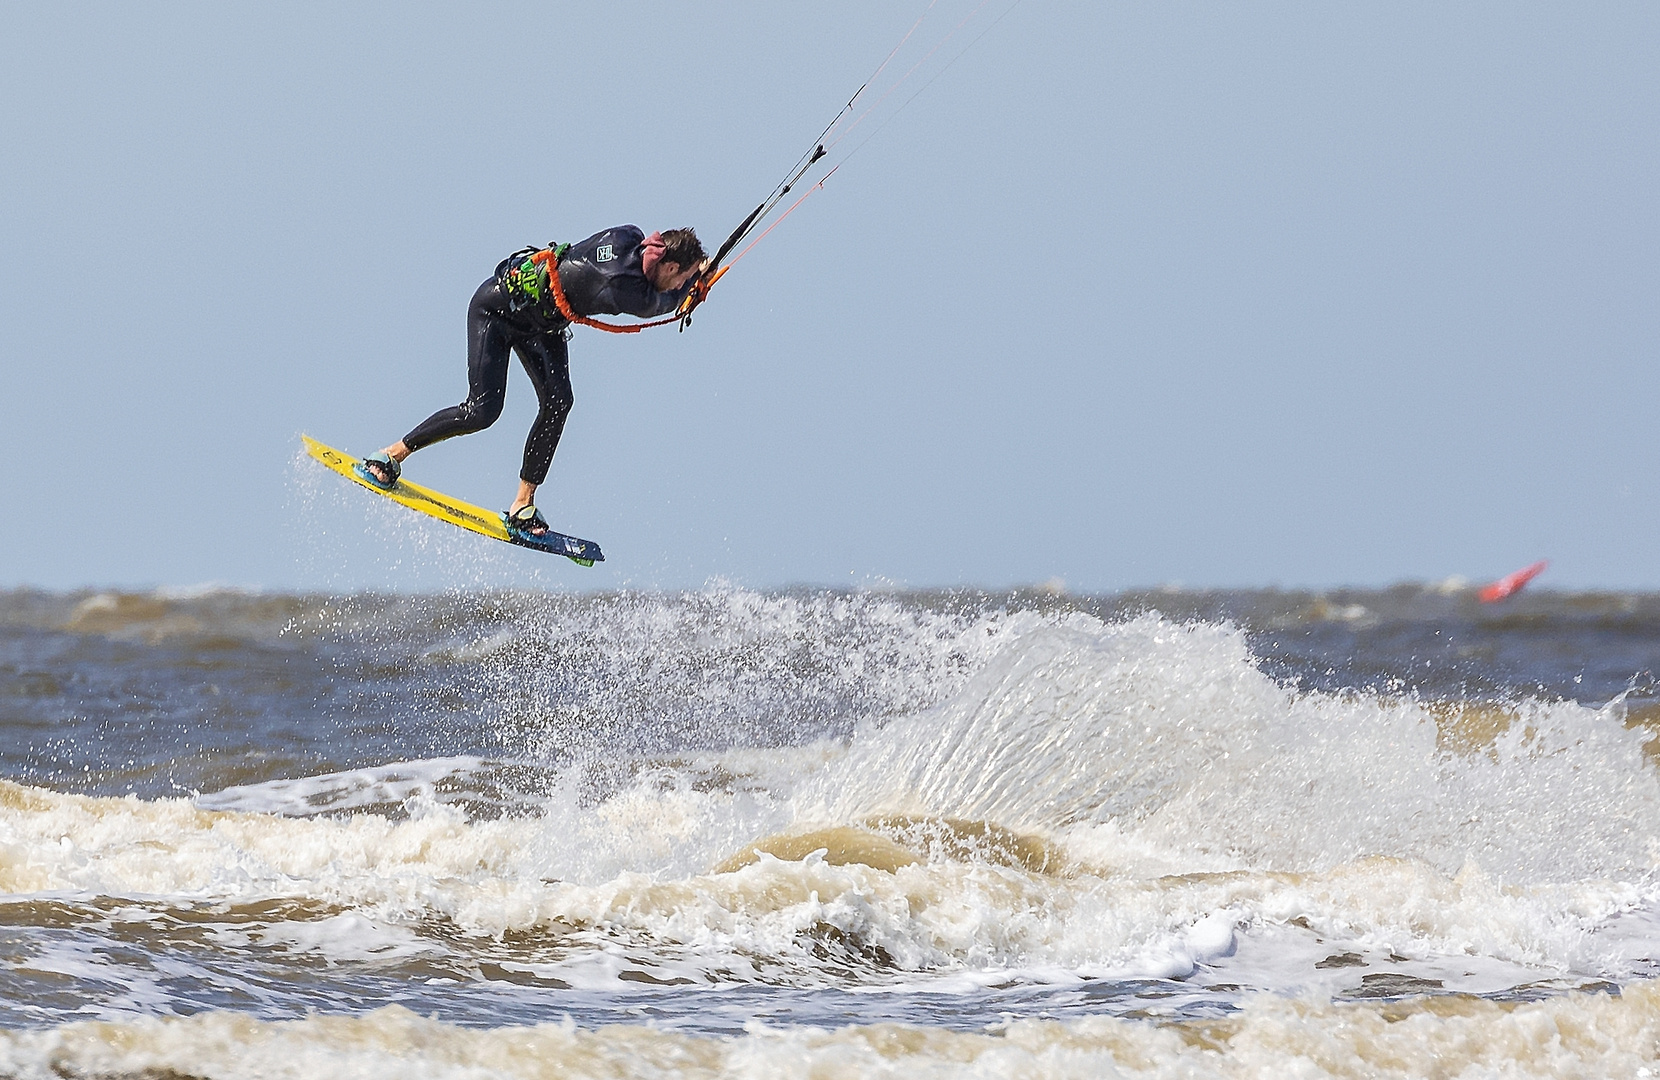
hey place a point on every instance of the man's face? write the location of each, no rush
(669, 275)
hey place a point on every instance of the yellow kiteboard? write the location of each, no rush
(465, 515)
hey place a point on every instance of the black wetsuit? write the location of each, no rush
(601, 276)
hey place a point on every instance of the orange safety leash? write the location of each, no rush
(545, 258)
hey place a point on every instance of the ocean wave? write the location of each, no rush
(853, 790)
(1174, 734)
(876, 901)
(1574, 1035)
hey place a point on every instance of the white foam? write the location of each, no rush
(347, 936)
(489, 878)
(1576, 1035)
(340, 791)
(1199, 809)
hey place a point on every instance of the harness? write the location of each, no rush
(524, 273)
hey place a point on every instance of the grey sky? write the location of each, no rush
(1221, 294)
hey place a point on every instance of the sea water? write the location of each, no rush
(829, 833)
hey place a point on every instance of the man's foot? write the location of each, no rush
(380, 470)
(527, 521)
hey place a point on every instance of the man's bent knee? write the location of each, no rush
(478, 415)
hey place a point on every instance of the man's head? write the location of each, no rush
(681, 257)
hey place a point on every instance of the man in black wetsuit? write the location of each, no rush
(616, 272)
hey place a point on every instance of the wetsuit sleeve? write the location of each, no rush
(635, 295)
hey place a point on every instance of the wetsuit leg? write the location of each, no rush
(548, 364)
(489, 338)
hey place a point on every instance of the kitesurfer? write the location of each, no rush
(616, 272)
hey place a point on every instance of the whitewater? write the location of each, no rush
(728, 832)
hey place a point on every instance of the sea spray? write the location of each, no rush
(1172, 733)
(814, 808)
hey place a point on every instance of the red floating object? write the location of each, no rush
(1510, 583)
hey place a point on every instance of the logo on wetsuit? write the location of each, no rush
(604, 253)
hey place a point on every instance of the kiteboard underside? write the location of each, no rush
(463, 515)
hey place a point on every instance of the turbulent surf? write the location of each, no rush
(847, 833)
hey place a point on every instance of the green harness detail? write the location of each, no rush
(525, 280)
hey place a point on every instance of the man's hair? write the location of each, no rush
(682, 246)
